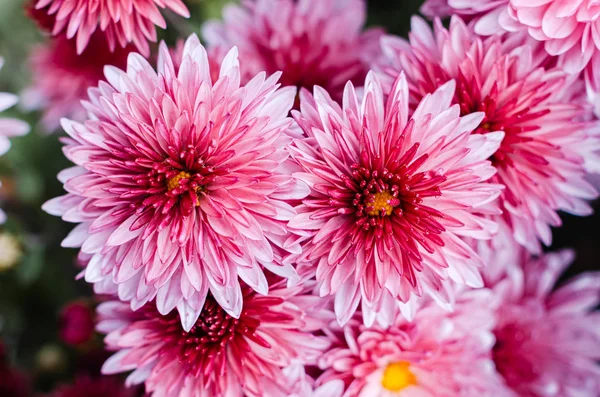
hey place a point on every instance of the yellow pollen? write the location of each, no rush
(397, 376)
(173, 183)
(381, 203)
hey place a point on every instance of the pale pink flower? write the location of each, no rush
(220, 355)
(547, 339)
(122, 21)
(9, 127)
(538, 115)
(391, 195)
(180, 185)
(61, 77)
(313, 42)
(569, 29)
(438, 354)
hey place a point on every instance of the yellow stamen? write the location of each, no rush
(173, 183)
(381, 203)
(397, 376)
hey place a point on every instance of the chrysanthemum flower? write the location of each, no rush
(547, 340)
(568, 28)
(220, 355)
(313, 42)
(61, 77)
(438, 354)
(547, 146)
(121, 21)
(180, 185)
(9, 127)
(101, 386)
(391, 195)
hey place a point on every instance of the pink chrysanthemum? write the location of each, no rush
(220, 355)
(121, 21)
(61, 77)
(86, 386)
(9, 127)
(180, 185)
(569, 29)
(390, 196)
(438, 354)
(547, 341)
(546, 144)
(313, 42)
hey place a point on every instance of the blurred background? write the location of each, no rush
(46, 323)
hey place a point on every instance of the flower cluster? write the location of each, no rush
(309, 208)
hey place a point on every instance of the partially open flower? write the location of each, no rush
(220, 355)
(538, 115)
(121, 22)
(312, 42)
(438, 354)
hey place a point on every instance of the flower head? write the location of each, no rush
(61, 77)
(547, 338)
(391, 195)
(180, 185)
(122, 22)
(312, 42)
(220, 355)
(9, 127)
(567, 29)
(438, 354)
(537, 115)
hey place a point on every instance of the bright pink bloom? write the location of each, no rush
(102, 386)
(180, 185)
(122, 21)
(391, 195)
(220, 355)
(61, 77)
(548, 340)
(569, 29)
(9, 127)
(538, 115)
(313, 42)
(438, 354)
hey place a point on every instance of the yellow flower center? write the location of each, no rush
(397, 376)
(381, 203)
(173, 183)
